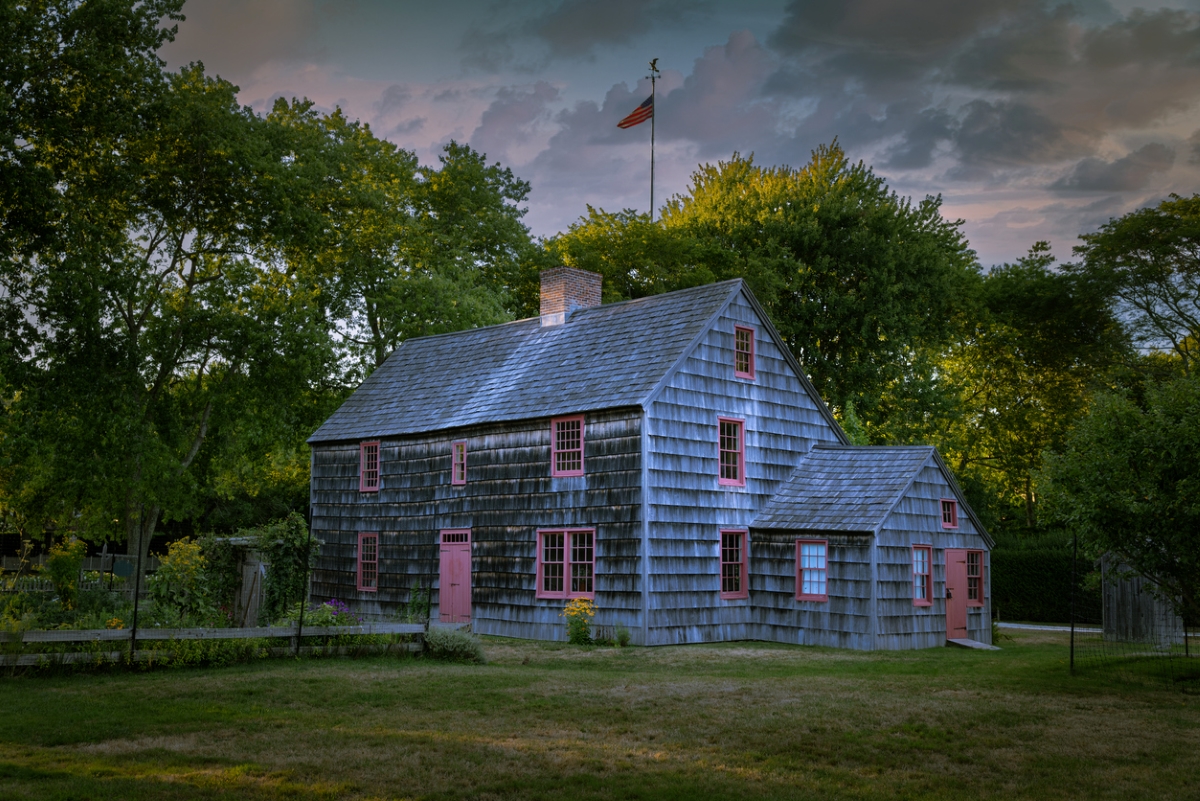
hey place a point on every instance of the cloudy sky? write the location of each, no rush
(1033, 120)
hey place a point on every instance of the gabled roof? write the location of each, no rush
(603, 357)
(852, 488)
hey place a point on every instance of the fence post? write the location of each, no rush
(1074, 562)
(137, 591)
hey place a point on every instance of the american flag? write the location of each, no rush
(639, 115)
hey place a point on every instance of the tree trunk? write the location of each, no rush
(1028, 502)
(140, 522)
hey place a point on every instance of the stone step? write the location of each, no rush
(962, 642)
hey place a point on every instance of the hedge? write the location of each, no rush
(1035, 585)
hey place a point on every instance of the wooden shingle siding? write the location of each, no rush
(843, 621)
(508, 496)
(917, 520)
(688, 507)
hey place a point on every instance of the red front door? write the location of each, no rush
(454, 589)
(956, 594)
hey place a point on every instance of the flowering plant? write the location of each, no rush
(579, 613)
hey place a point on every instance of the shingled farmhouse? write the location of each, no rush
(665, 457)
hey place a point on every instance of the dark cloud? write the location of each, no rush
(577, 27)
(885, 40)
(1010, 134)
(573, 29)
(926, 130)
(508, 120)
(1126, 174)
(1028, 53)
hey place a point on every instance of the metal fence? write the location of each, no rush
(1129, 630)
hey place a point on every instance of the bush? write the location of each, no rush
(62, 568)
(453, 645)
(579, 613)
(178, 586)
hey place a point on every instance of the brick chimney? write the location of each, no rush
(565, 289)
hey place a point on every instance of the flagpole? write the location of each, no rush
(653, 77)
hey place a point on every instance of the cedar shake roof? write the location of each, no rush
(846, 488)
(603, 357)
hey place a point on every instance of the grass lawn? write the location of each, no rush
(544, 721)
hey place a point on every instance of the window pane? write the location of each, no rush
(568, 446)
(581, 561)
(552, 562)
(731, 562)
(730, 450)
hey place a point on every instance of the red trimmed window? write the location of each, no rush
(458, 463)
(368, 467)
(566, 566)
(974, 578)
(949, 513)
(733, 565)
(922, 575)
(368, 562)
(812, 572)
(731, 451)
(743, 351)
(566, 446)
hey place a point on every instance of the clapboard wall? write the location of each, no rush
(687, 507)
(917, 520)
(508, 496)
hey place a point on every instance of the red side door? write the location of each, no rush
(454, 589)
(956, 594)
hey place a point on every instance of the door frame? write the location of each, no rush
(454, 554)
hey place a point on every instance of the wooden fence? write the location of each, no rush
(116, 636)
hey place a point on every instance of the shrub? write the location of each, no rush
(579, 613)
(178, 586)
(331, 613)
(453, 645)
(62, 568)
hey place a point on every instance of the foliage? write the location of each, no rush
(1148, 265)
(419, 604)
(856, 279)
(63, 564)
(222, 572)
(1020, 373)
(622, 636)
(453, 645)
(1128, 483)
(330, 613)
(179, 586)
(1035, 585)
(579, 613)
(290, 553)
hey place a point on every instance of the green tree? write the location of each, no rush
(164, 301)
(75, 80)
(1128, 480)
(859, 281)
(1022, 370)
(1148, 264)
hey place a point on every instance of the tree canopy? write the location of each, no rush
(1128, 482)
(856, 278)
(1148, 264)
